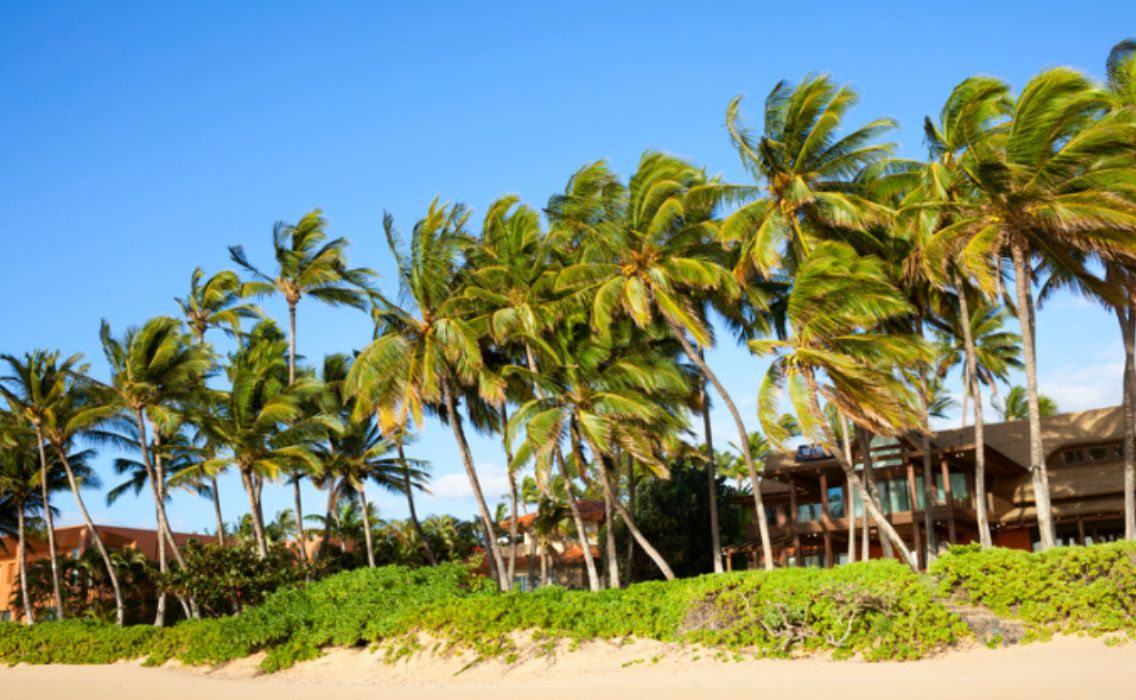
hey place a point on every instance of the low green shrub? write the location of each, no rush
(1065, 590)
(73, 642)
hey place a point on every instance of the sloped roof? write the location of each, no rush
(589, 510)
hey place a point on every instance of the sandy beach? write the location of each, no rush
(1064, 668)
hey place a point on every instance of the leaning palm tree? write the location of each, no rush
(307, 264)
(835, 351)
(1050, 193)
(425, 353)
(154, 369)
(217, 303)
(264, 421)
(32, 390)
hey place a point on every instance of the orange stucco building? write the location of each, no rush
(73, 541)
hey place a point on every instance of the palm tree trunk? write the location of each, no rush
(965, 395)
(217, 510)
(22, 560)
(301, 536)
(120, 605)
(327, 521)
(873, 489)
(410, 502)
(1127, 318)
(973, 387)
(711, 476)
(190, 606)
(1029, 349)
(474, 482)
(854, 479)
(366, 525)
(511, 570)
(163, 567)
(257, 515)
(49, 520)
(605, 479)
(846, 430)
(581, 530)
(532, 560)
(543, 566)
(928, 470)
(609, 536)
(743, 438)
(631, 508)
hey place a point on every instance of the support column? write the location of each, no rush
(950, 498)
(1081, 530)
(913, 493)
(829, 560)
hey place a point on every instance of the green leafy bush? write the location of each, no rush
(72, 642)
(225, 580)
(1067, 589)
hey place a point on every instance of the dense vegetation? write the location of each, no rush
(576, 332)
(879, 609)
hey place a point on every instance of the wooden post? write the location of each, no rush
(913, 493)
(826, 519)
(1081, 530)
(793, 519)
(950, 498)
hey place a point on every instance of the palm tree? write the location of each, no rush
(807, 170)
(263, 423)
(20, 492)
(1050, 192)
(1016, 405)
(839, 301)
(32, 391)
(996, 351)
(153, 369)
(216, 304)
(425, 352)
(307, 263)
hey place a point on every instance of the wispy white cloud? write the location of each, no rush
(494, 481)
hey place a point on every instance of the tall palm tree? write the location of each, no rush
(806, 171)
(1049, 193)
(32, 390)
(308, 264)
(996, 351)
(20, 481)
(264, 421)
(217, 304)
(153, 369)
(838, 303)
(425, 353)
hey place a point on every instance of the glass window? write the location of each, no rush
(1074, 456)
(835, 502)
(808, 512)
(815, 561)
(5, 616)
(894, 496)
(771, 516)
(1098, 454)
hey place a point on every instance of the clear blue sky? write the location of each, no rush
(138, 140)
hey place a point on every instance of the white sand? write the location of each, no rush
(1067, 668)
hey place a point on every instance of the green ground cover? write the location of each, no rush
(879, 610)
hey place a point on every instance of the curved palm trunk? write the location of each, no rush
(928, 471)
(257, 516)
(159, 485)
(413, 513)
(711, 476)
(605, 479)
(366, 525)
(1037, 469)
(532, 561)
(973, 387)
(743, 438)
(474, 482)
(22, 560)
(49, 520)
(301, 537)
(854, 478)
(609, 537)
(119, 603)
(217, 510)
(566, 480)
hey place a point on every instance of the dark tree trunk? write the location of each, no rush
(1127, 318)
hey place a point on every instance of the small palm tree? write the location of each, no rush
(307, 264)
(1016, 405)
